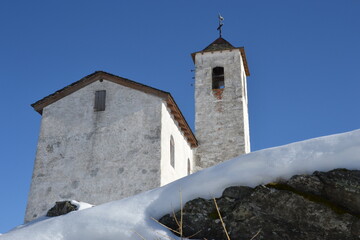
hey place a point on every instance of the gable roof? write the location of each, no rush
(221, 44)
(101, 75)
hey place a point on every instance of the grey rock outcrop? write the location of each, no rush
(61, 208)
(324, 205)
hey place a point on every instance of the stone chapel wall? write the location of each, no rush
(96, 157)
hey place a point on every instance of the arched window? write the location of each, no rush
(218, 78)
(188, 167)
(172, 152)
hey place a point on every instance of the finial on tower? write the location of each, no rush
(220, 24)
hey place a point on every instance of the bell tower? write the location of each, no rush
(221, 103)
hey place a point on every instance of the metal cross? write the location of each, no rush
(221, 19)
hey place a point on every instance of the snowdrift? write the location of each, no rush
(130, 218)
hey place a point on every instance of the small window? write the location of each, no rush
(100, 97)
(218, 78)
(172, 152)
(188, 167)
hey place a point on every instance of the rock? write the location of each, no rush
(237, 192)
(61, 208)
(340, 186)
(324, 205)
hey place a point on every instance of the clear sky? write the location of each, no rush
(303, 58)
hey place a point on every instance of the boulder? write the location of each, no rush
(324, 205)
(61, 208)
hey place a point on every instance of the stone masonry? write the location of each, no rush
(102, 156)
(221, 115)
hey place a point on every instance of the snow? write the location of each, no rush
(130, 218)
(81, 205)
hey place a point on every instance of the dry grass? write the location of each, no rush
(179, 223)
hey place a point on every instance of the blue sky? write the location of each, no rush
(303, 58)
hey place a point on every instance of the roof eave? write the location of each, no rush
(182, 123)
(100, 75)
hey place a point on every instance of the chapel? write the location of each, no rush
(105, 137)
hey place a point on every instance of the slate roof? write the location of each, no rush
(101, 75)
(221, 44)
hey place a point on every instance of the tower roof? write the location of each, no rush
(221, 44)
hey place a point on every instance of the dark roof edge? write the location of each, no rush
(98, 75)
(182, 123)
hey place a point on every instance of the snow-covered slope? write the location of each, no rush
(131, 218)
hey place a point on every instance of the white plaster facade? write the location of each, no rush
(221, 116)
(101, 156)
(183, 151)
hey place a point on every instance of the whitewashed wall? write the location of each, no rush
(97, 157)
(247, 147)
(183, 151)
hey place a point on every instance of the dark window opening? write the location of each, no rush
(172, 152)
(100, 97)
(218, 78)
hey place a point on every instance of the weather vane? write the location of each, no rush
(221, 19)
